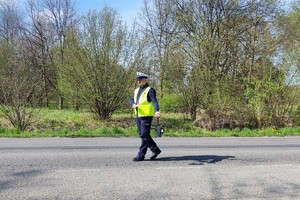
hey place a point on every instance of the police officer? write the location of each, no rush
(145, 105)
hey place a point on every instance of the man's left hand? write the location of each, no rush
(157, 114)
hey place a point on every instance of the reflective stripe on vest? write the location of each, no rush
(145, 108)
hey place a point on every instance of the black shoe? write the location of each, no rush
(155, 154)
(138, 159)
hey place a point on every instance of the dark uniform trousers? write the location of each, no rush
(144, 127)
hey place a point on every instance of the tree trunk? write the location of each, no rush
(193, 113)
(61, 102)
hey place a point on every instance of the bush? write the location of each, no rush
(171, 103)
(215, 119)
(296, 117)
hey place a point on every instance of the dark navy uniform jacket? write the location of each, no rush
(151, 97)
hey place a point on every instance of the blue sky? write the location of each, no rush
(128, 9)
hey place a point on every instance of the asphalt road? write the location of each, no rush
(188, 168)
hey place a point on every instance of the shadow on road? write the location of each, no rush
(17, 177)
(198, 160)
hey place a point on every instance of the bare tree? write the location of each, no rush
(20, 89)
(38, 43)
(50, 20)
(208, 43)
(159, 25)
(19, 82)
(61, 18)
(10, 20)
(225, 45)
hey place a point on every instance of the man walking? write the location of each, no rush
(145, 105)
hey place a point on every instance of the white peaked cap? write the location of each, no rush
(140, 75)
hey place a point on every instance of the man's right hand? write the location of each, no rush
(134, 106)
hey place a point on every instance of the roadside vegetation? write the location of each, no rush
(73, 123)
(219, 67)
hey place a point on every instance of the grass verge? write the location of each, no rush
(132, 132)
(69, 123)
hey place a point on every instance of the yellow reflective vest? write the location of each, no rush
(144, 108)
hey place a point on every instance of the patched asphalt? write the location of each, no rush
(187, 168)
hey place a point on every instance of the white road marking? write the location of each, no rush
(166, 168)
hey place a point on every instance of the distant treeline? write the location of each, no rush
(226, 63)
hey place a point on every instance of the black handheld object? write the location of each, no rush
(159, 129)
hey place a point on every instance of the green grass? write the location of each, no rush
(71, 123)
(196, 132)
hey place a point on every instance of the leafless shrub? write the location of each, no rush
(20, 89)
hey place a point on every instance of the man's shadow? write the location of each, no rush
(198, 160)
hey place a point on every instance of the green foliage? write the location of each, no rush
(132, 132)
(270, 104)
(20, 88)
(171, 103)
(218, 67)
(99, 74)
(58, 123)
(297, 116)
